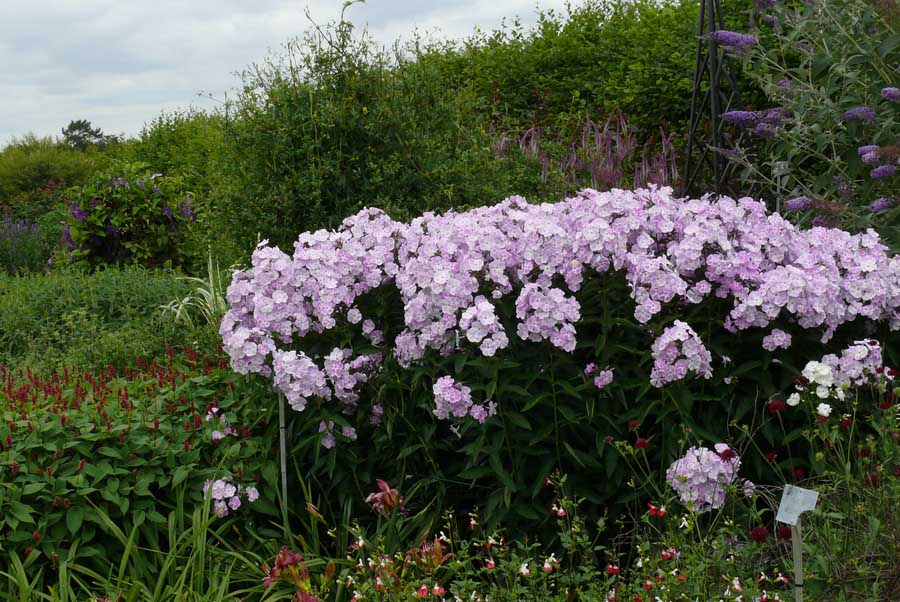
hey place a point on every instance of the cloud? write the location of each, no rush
(118, 63)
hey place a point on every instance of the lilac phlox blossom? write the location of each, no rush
(451, 269)
(777, 339)
(455, 399)
(677, 352)
(604, 378)
(701, 476)
(327, 430)
(226, 495)
(547, 314)
(857, 365)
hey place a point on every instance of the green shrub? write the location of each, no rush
(30, 163)
(129, 214)
(68, 318)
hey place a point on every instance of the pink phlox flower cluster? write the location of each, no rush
(677, 352)
(345, 374)
(453, 399)
(857, 365)
(547, 313)
(603, 377)
(701, 476)
(227, 496)
(328, 439)
(777, 339)
(481, 325)
(450, 268)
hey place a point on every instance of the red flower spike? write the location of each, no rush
(783, 533)
(641, 443)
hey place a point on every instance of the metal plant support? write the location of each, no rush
(709, 102)
(282, 456)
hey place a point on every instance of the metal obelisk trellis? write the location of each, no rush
(712, 66)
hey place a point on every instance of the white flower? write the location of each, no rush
(524, 569)
(840, 393)
(823, 409)
(823, 392)
(819, 373)
(793, 400)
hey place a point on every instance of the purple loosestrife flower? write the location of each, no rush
(860, 115)
(883, 171)
(742, 118)
(732, 39)
(800, 203)
(891, 93)
(882, 204)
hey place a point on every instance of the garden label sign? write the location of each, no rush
(795, 501)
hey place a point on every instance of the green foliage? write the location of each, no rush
(30, 163)
(834, 56)
(101, 459)
(129, 214)
(68, 318)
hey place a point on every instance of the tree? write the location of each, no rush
(80, 135)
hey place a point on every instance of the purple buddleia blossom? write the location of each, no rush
(883, 171)
(891, 93)
(732, 39)
(882, 204)
(871, 158)
(800, 203)
(860, 115)
(867, 149)
(742, 118)
(167, 211)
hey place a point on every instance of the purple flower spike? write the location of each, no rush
(865, 150)
(883, 171)
(871, 158)
(891, 93)
(800, 203)
(860, 114)
(882, 204)
(742, 118)
(733, 39)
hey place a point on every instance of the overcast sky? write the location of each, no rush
(118, 63)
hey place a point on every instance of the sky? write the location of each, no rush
(119, 63)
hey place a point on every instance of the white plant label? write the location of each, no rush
(795, 501)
